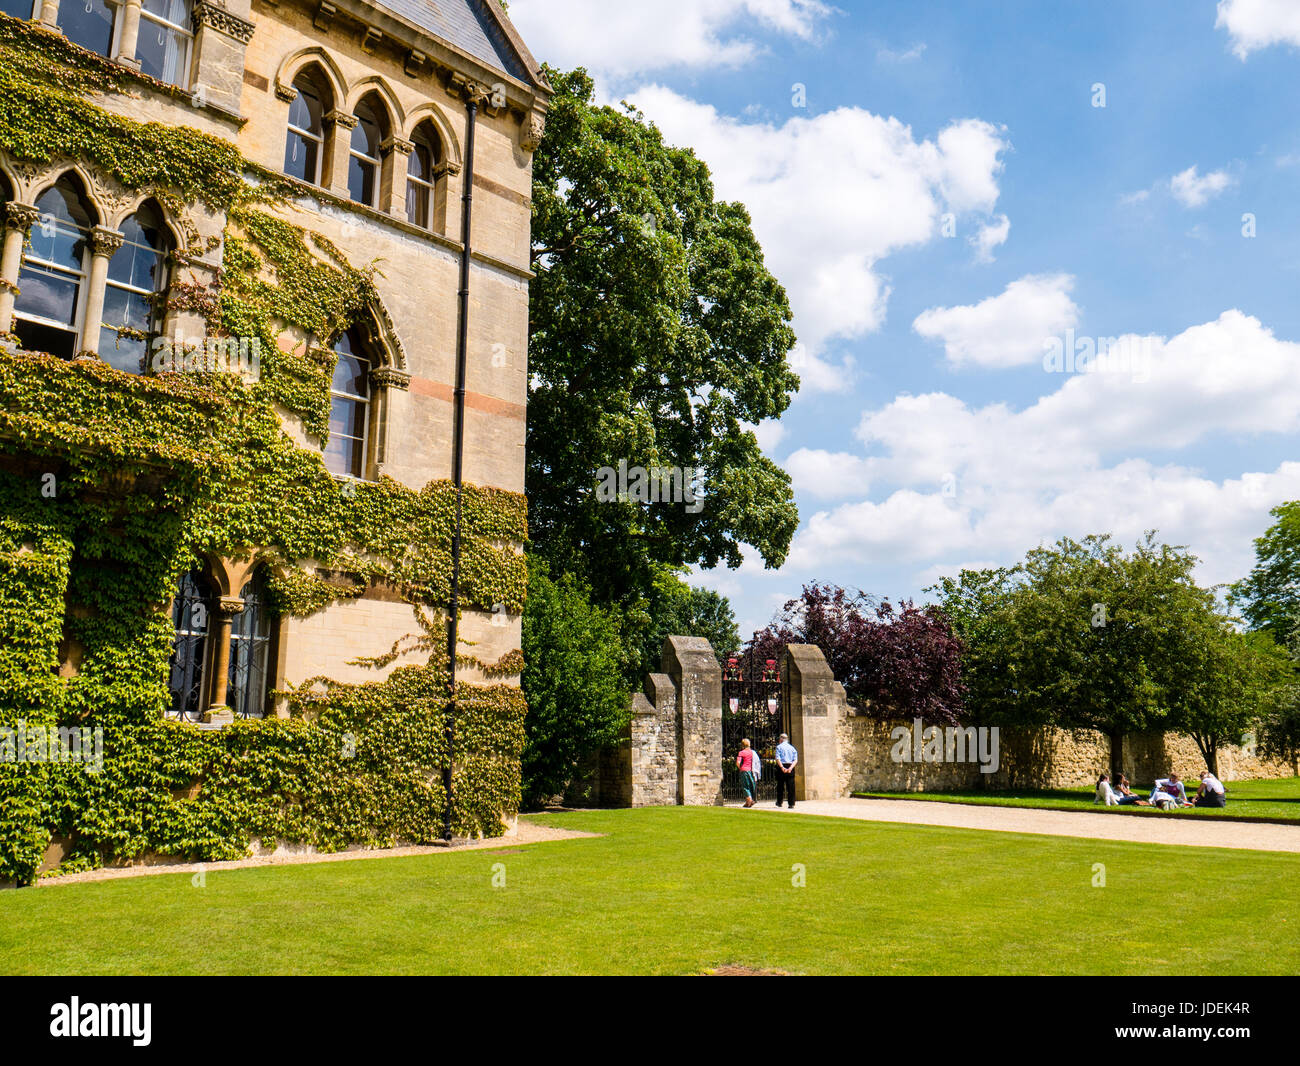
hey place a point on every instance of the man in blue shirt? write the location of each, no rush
(786, 758)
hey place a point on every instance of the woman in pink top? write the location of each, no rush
(745, 759)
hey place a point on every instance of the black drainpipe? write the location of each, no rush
(458, 450)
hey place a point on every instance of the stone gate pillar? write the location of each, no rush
(697, 677)
(815, 703)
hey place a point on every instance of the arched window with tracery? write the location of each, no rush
(422, 177)
(250, 648)
(52, 280)
(349, 431)
(137, 278)
(192, 621)
(363, 161)
(304, 146)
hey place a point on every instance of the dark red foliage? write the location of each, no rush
(905, 661)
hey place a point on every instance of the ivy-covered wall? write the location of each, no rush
(113, 485)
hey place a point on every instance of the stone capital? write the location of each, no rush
(105, 241)
(207, 13)
(398, 145)
(287, 93)
(388, 377)
(21, 216)
(446, 169)
(341, 118)
(230, 606)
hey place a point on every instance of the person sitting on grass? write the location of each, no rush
(1105, 794)
(1169, 792)
(1211, 793)
(1124, 794)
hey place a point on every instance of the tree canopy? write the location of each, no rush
(657, 336)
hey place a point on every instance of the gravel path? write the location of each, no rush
(1150, 829)
(527, 833)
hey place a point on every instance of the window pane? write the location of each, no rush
(250, 638)
(174, 11)
(88, 23)
(305, 111)
(361, 181)
(351, 375)
(129, 309)
(190, 613)
(19, 9)
(417, 203)
(365, 135)
(55, 242)
(347, 418)
(300, 157)
(46, 294)
(344, 455)
(162, 52)
(39, 338)
(124, 352)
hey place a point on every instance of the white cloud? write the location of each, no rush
(820, 375)
(888, 55)
(828, 475)
(622, 39)
(1255, 24)
(770, 434)
(834, 194)
(1011, 329)
(1194, 190)
(990, 482)
(992, 235)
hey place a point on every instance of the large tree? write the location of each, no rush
(657, 336)
(1269, 598)
(674, 608)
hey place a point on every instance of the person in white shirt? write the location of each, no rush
(1105, 794)
(1211, 793)
(1169, 792)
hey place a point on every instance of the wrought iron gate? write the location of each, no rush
(752, 709)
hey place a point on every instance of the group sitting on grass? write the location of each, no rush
(1167, 794)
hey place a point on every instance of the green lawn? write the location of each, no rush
(1277, 800)
(679, 890)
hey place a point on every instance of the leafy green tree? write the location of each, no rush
(977, 604)
(657, 335)
(1227, 682)
(1269, 598)
(675, 608)
(573, 680)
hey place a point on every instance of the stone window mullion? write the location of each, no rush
(104, 244)
(392, 189)
(18, 222)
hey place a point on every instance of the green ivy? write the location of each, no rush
(113, 485)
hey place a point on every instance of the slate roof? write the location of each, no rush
(467, 25)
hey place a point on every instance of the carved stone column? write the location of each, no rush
(104, 244)
(394, 153)
(227, 608)
(18, 222)
(130, 35)
(50, 15)
(338, 148)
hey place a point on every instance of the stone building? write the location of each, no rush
(256, 256)
(362, 108)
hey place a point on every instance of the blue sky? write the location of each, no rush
(945, 208)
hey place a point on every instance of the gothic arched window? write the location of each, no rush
(163, 47)
(88, 23)
(191, 619)
(363, 162)
(305, 145)
(421, 180)
(52, 281)
(345, 451)
(137, 274)
(250, 645)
